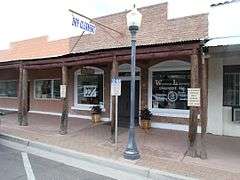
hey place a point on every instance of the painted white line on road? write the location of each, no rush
(28, 167)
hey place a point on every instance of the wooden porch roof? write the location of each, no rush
(177, 50)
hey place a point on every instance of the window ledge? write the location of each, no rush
(5, 97)
(171, 113)
(85, 108)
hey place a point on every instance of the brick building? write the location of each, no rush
(169, 56)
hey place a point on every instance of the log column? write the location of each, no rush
(193, 120)
(114, 74)
(204, 106)
(64, 117)
(20, 80)
(144, 85)
(23, 97)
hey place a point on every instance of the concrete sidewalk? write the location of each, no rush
(160, 149)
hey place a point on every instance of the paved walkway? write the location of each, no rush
(160, 149)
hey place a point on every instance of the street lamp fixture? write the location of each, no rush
(134, 19)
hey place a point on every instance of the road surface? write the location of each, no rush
(16, 165)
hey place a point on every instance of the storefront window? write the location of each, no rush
(49, 89)
(90, 87)
(169, 89)
(8, 88)
(231, 86)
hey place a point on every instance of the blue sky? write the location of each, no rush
(32, 18)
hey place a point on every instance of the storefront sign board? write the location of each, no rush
(63, 90)
(84, 25)
(194, 97)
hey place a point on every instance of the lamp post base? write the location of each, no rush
(131, 154)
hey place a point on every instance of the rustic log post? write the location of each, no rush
(114, 74)
(144, 84)
(20, 112)
(193, 120)
(204, 106)
(64, 117)
(24, 97)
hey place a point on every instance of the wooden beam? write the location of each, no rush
(9, 66)
(204, 106)
(24, 97)
(64, 117)
(118, 52)
(114, 74)
(193, 120)
(158, 55)
(20, 90)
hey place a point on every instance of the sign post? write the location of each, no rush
(194, 97)
(116, 91)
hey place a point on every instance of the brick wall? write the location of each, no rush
(34, 48)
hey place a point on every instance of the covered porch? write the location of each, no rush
(160, 149)
(185, 57)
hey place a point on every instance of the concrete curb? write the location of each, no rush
(139, 171)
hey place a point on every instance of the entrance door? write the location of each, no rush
(124, 104)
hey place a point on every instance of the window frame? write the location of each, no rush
(6, 97)
(229, 69)
(168, 65)
(52, 89)
(86, 107)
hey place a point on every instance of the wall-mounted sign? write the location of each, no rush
(116, 87)
(86, 26)
(194, 97)
(63, 90)
(89, 91)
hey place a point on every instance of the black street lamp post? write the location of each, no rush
(134, 21)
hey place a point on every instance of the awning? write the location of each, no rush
(224, 41)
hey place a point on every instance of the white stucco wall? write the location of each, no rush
(219, 116)
(215, 94)
(223, 20)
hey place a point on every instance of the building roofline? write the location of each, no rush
(100, 50)
(224, 3)
(123, 12)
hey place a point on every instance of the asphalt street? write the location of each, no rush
(16, 165)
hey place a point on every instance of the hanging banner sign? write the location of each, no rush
(194, 97)
(63, 90)
(86, 26)
(116, 87)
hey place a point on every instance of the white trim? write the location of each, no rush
(8, 109)
(169, 65)
(87, 107)
(52, 89)
(69, 115)
(170, 112)
(172, 126)
(126, 67)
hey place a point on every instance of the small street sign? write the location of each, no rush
(86, 26)
(116, 87)
(194, 97)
